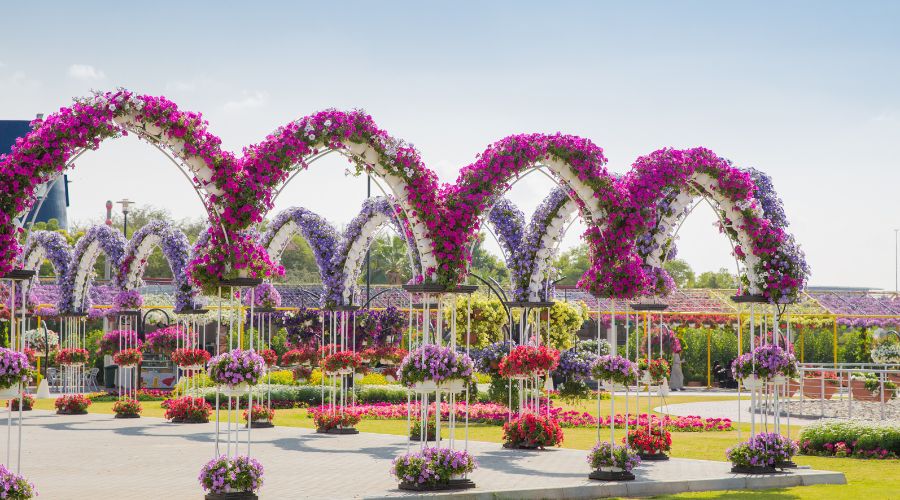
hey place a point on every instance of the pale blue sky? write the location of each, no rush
(808, 92)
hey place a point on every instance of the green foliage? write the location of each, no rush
(499, 391)
(566, 318)
(681, 273)
(723, 348)
(866, 436)
(573, 390)
(280, 377)
(487, 265)
(388, 261)
(381, 393)
(299, 263)
(488, 318)
(200, 380)
(373, 378)
(91, 343)
(572, 263)
(716, 279)
(279, 342)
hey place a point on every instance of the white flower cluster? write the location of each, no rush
(585, 193)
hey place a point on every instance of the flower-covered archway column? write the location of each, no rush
(371, 150)
(577, 165)
(175, 248)
(48, 245)
(76, 283)
(321, 236)
(662, 186)
(356, 239)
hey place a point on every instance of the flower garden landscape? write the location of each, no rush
(227, 381)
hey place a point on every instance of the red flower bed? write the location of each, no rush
(187, 409)
(260, 413)
(532, 431)
(326, 420)
(529, 360)
(649, 442)
(72, 404)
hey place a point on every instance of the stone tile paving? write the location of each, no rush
(97, 456)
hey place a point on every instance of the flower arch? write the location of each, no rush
(374, 214)
(662, 186)
(75, 284)
(49, 245)
(175, 248)
(323, 239)
(576, 164)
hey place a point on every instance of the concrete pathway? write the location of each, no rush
(97, 456)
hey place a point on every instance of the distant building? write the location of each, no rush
(55, 206)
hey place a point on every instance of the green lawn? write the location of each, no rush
(867, 479)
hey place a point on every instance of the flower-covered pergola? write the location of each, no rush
(630, 222)
(175, 248)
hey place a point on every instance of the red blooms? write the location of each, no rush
(649, 442)
(528, 361)
(128, 357)
(327, 419)
(532, 431)
(260, 413)
(72, 404)
(187, 409)
(342, 361)
(269, 356)
(190, 357)
(298, 357)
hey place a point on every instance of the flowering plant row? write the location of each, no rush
(231, 475)
(14, 368)
(529, 361)
(237, 367)
(532, 431)
(72, 356)
(432, 466)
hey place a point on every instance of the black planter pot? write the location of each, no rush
(82, 412)
(656, 457)
(337, 430)
(234, 495)
(183, 421)
(127, 415)
(603, 475)
(522, 446)
(789, 464)
(754, 469)
(453, 484)
(261, 425)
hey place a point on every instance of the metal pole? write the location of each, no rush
(368, 268)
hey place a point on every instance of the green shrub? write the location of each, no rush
(860, 439)
(373, 378)
(280, 377)
(201, 378)
(381, 393)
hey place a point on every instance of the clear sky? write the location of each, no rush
(806, 91)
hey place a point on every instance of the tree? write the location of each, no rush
(299, 263)
(488, 265)
(681, 273)
(388, 261)
(572, 264)
(718, 279)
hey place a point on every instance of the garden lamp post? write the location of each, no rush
(126, 204)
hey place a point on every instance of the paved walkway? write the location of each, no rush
(97, 456)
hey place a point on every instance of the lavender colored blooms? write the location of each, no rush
(614, 368)
(14, 486)
(13, 367)
(264, 295)
(765, 362)
(766, 449)
(175, 248)
(488, 359)
(432, 466)
(606, 454)
(227, 474)
(50, 245)
(435, 363)
(237, 367)
(73, 296)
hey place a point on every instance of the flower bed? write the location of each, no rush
(73, 404)
(762, 453)
(72, 356)
(526, 361)
(614, 369)
(432, 468)
(128, 357)
(114, 340)
(226, 476)
(851, 439)
(342, 362)
(190, 358)
(127, 408)
(611, 461)
(187, 409)
(27, 403)
(437, 366)
(652, 443)
(14, 486)
(531, 431)
(237, 368)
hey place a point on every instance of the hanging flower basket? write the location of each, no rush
(434, 469)
(112, 341)
(128, 358)
(232, 478)
(190, 359)
(653, 371)
(236, 371)
(767, 363)
(528, 361)
(430, 368)
(612, 462)
(14, 369)
(296, 357)
(615, 372)
(166, 340)
(341, 363)
(72, 357)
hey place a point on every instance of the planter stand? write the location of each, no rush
(656, 457)
(127, 415)
(234, 495)
(262, 424)
(606, 475)
(338, 430)
(754, 470)
(452, 484)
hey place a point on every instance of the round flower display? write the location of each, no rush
(766, 449)
(532, 431)
(264, 296)
(237, 367)
(128, 357)
(296, 357)
(615, 369)
(432, 466)
(231, 474)
(13, 369)
(190, 357)
(767, 362)
(610, 456)
(165, 340)
(430, 367)
(652, 441)
(341, 362)
(14, 486)
(114, 340)
(127, 408)
(72, 356)
(654, 370)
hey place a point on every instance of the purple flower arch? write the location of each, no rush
(76, 283)
(374, 214)
(49, 245)
(175, 248)
(663, 183)
(322, 237)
